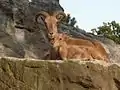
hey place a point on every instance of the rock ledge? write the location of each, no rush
(34, 74)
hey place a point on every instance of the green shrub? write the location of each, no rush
(110, 30)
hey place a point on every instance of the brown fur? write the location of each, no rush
(86, 43)
(51, 21)
(69, 47)
(76, 41)
(70, 50)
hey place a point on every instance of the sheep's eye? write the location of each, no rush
(60, 38)
(57, 23)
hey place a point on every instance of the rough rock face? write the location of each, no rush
(21, 37)
(19, 34)
(26, 74)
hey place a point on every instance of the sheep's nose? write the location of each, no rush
(51, 33)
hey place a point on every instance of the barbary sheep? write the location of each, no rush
(75, 48)
(51, 21)
(69, 50)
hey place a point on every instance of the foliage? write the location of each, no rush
(73, 21)
(70, 21)
(110, 30)
(68, 18)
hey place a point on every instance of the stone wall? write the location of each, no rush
(33, 74)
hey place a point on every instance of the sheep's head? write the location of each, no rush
(51, 21)
(58, 40)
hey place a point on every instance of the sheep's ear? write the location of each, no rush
(40, 18)
(60, 16)
(41, 15)
(65, 35)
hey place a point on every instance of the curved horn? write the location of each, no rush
(59, 15)
(42, 13)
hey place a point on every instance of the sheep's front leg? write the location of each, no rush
(63, 53)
